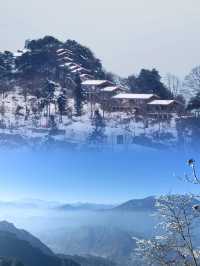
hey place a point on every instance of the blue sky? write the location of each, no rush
(102, 177)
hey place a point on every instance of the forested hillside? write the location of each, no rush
(43, 100)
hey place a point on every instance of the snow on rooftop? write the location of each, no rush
(84, 75)
(133, 96)
(84, 70)
(162, 102)
(68, 51)
(76, 70)
(68, 58)
(80, 68)
(60, 50)
(110, 88)
(64, 51)
(74, 67)
(68, 64)
(94, 82)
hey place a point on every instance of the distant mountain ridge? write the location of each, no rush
(145, 204)
(142, 204)
(42, 204)
(84, 207)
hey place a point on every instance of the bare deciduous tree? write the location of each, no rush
(173, 84)
(192, 82)
(175, 246)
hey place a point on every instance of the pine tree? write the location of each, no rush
(149, 81)
(61, 105)
(49, 89)
(78, 96)
(98, 134)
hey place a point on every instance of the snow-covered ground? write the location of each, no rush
(120, 130)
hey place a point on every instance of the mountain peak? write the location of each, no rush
(145, 204)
